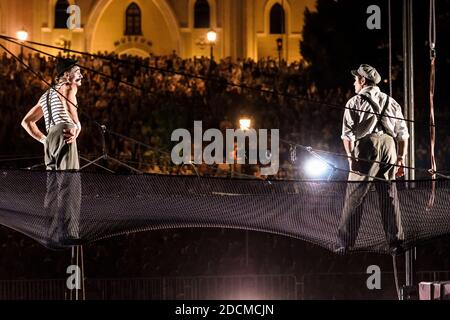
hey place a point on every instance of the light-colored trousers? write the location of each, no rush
(374, 147)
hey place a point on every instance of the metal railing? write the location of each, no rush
(248, 287)
(233, 287)
(353, 285)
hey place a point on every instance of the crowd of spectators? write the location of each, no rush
(157, 102)
(167, 101)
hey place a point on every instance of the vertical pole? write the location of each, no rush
(246, 248)
(212, 55)
(408, 74)
(390, 47)
(284, 36)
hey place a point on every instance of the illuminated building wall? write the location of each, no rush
(243, 26)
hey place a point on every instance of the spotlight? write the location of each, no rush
(22, 35)
(316, 168)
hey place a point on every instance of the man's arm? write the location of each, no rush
(349, 145)
(348, 136)
(401, 153)
(29, 123)
(402, 135)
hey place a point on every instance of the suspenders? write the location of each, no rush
(49, 109)
(375, 107)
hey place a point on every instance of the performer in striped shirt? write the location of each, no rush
(61, 118)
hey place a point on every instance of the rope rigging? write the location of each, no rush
(219, 80)
(431, 171)
(432, 44)
(307, 148)
(390, 47)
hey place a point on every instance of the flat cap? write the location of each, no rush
(63, 64)
(367, 72)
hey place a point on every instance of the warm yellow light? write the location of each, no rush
(211, 36)
(245, 123)
(22, 35)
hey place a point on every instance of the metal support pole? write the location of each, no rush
(408, 74)
(212, 55)
(246, 248)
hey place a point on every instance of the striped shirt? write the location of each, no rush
(59, 112)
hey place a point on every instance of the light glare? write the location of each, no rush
(244, 124)
(316, 168)
(22, 35)
(211, 36)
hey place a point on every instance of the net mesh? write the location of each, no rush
(61, 209)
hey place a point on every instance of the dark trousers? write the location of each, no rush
(63, 206)
(63, 197)
(377, 148)
(58, 154)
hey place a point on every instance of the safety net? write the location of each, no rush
(62, 209)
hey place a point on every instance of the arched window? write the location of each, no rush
(133, 20)
(61, 15)
(201, 14)
(277, 19)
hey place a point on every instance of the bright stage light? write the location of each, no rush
(316, 168)
(22, 35)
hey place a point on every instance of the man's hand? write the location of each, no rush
(70, 135)
(353, 165)
(400, 168)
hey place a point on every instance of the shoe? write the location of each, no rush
(395, 251)
(396, 248)
(72, 242)
(54, 245)
(340, 249)
(67, 241)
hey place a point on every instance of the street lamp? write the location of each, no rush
(245, 123)
(279, 48)
(212, 37)
(22, 35)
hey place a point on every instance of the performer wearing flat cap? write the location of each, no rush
(373, 123)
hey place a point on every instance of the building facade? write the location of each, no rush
(245, 28)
